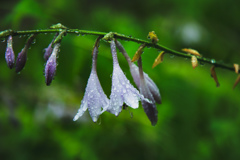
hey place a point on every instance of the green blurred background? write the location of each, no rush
(197, 120)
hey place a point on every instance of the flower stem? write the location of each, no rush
(6, 33)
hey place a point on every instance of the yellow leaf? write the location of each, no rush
(159, 59)
(214, 75)
(153, 37)
(138, 52)
(236, 67)
(191, 51)
(194, 62)
(236, 82)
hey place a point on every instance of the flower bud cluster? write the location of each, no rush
(50, 56)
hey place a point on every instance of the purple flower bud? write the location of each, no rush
(95, 100)
(9, 54)
(122, 91)
(135, 74)
(21, 60)
(48, 52)
(51, 65)
(149, 108)
(49, 49)
(22, 56)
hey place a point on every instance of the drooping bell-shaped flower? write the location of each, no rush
(149, 82)
(9, 54)
(149, 108)
(122, 91)
(95, 100)
(51, 65)
(136, 77)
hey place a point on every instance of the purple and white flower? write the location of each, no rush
(136, 77)
(146, 86)
(122, 91)
(149, 108)
(95, 100)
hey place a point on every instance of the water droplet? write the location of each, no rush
(213, 61)
(34, 41)
(171, 56)
(3, 40)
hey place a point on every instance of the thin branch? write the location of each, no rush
(6, 33)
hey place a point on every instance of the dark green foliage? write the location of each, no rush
(196, 120)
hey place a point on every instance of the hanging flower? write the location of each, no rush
(122, 91)
(51, 65)
(149, 108)
(95, 100)
(135, 74)
(9, 54)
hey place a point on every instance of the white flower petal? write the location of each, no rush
(81, 110)
(149, 82)
(122, 90)
(95, 100)
(131, 100)
(135, 74)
